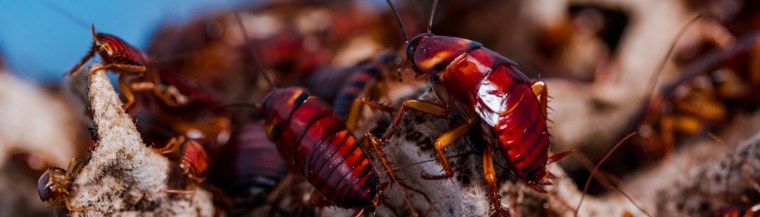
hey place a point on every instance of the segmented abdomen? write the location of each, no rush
(249, 165)
(353, 88)
(194, 159)
(317, 144)
(502, 98)
(522, 133)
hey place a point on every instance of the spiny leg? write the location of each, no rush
(155, 78)
(75, 209)
(444, 140)
(558, 156)
(84, 59)
(358, 212)
(153, 86)
(419, 105)
(123, 68)
(539, 89)
(75, 165)
(375, 144)
(127, 91)
(172, 146)
(356, 107)
(490, 175)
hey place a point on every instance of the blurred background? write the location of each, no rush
(47, 36)
(612, 67)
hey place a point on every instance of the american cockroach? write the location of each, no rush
(191, 157)
(54, 184)
(353, 82)
(488, 91)
(123, 58)
(179, 99)
(118, 56)
(317, 144)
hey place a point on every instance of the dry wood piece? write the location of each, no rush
(123, 176)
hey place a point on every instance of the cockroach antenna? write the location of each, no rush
(432, 14)
(253, 52)
(94, 35)
(400, 24)
(65, 13)
(596, 168)
(655, 76)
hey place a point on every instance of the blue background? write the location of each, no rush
(40, 44)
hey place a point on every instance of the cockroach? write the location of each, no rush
(54, 184)
(488, 91)
(178, 97)
(191, 156)
(121, 57)
(317, 144)
(353, 81)
(249, 166)
(118, 56)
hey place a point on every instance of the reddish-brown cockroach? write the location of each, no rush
(191, 156)
(488, 91)
(121, 57)
(248, 167)
(352, 81)
(118, 56)
(318, 145)
(54, 184)
(178, 98)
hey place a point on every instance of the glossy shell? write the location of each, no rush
(484, 85)
(52, 185)
(193, 160)
(317, 145)
(120, 51)
(249, 166)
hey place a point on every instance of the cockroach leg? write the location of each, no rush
(75, 209)
(356, 107)
(142, 86)
(419, 105)
(358, 212)
(137, 69)
(156, 80)
(490, 175)
(539, 89)
(444, 140)
(558, 156)
(84, 59)
(172, 146)
(75, 166)
(127, 91)
(375, 144)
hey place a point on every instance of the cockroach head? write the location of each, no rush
(431, 54)
(49, 188)
(411, 49)
(103, 42)
(278, 105)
